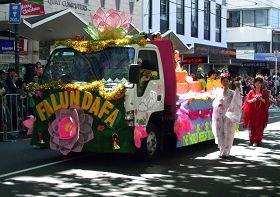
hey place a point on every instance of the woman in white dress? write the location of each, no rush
(227, 108)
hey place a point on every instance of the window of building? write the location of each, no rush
(255, 18)
(118, 2)
(164, 15)
(248, 17)
(233, 19)
(150, 14)
(275, 41)
(261, 18)
(258, 47)
(218, 23)
(207, 5)
(180, 17)
(194, 18)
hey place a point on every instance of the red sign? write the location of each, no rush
(32, 7)
(23, 47)
(195, 60)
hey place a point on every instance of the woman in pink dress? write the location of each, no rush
(227, 108)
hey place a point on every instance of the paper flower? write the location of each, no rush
(182, 125)
(111, 24)
(101, 128)
(225, 74)
(29, 124)
(70, 130)
(39, 94)
(139, 132)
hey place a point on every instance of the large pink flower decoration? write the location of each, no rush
(29, 124)
(182, 125)
(70, 130)
(139, 132)
(109, 25)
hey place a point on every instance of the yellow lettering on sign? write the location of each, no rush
(104, 109)
(48, 108)
(54, 103)
(75, 98)
(87, 100)
(95, 106)
(64, 99)
(112, 118)
(41, 110)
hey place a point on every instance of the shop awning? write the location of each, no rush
(177, 42)
(56, 25)
(53, 26)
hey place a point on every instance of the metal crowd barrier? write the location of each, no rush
(14, 109)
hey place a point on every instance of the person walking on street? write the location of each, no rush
(226, 113)
(256, 112)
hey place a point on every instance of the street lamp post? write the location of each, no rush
(276, 53)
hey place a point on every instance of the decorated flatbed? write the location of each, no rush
(115, 93)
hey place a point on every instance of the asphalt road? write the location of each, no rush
(190, 171)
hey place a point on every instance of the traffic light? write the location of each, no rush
(9, 1)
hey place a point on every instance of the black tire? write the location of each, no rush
(149, 145)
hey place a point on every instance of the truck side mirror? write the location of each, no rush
(134, 73)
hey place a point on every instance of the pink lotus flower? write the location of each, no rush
(225, 74)
(139, 132)
(182, 125)
(29, 124)
(109, 25)
(70, 130)
(100, 128)
(39, 94)
(67, 128)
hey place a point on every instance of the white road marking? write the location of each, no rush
(40, 166)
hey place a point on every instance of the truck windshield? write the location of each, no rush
(109, 65)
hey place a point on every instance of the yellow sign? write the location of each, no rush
(103, 109)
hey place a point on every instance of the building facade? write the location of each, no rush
(198, 29)
(83, 8)
(253, 29)
(194, 21)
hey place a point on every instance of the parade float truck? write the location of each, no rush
(115, 95)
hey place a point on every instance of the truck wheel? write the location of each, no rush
(149, 145)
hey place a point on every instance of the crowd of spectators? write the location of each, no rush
(13, 99)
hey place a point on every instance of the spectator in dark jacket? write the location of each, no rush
(11, 81)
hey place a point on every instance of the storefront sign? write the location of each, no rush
(214, 51)
(32, 7)
(7, 46)
(68, 4)
(265, 57)
(254, 64)
(195, 60)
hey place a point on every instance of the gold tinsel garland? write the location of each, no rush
(96, 86)
(94, 46)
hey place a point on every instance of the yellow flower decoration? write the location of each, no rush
(86, 46)
(96, 86)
